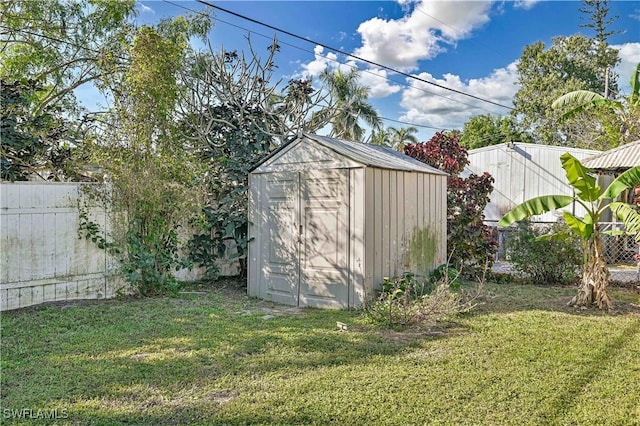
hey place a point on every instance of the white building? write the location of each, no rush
(523, 171)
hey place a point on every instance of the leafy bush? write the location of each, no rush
(544, 261)
(445, 273)
(411, 300)
(150, 261)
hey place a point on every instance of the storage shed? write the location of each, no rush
(523, 171)
(328, 219)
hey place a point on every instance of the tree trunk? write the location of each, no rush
(595, 277)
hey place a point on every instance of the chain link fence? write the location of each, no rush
(621, 252)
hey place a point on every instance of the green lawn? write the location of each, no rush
(520, 358)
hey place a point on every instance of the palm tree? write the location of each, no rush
(400, 137)
(350, 104)
(379, 137)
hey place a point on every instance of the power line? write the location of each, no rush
(412, 124)
(341, 63)
(337, 61)
(402, 83)
(126, 59)
(289, 33)
(24, 31)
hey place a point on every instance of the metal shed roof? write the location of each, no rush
(527, 146)
(374, 155)
(622, 157)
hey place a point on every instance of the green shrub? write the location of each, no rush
(547, 261)
(445, 273)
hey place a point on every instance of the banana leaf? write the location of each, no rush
(579, 177)
(583, 229)
(634, 98)
(535, 206)
(627, 180)
(556, 237)
(629, 216)
(581, 100)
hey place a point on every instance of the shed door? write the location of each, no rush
(307, 246)
(281, 205)
(324, 244)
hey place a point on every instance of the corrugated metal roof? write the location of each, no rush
(525, 145)
(374, 155)
(622, 157)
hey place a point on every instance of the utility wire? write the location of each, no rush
(413, 124)
(289, 33)
(402, 83)
(425, 126)
(126, 59)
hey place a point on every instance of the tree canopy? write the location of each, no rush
(544, 74)
(486, 130)
(50, 49)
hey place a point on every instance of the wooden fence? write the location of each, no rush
(42, 258)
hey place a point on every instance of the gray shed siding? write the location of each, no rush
(399, 207)
(523, 171)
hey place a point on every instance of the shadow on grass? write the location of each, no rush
(506, 297)
(199, 360)
(598, 363)
(159, 361)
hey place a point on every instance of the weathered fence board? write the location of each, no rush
(42, 259)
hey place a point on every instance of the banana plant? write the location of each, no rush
(625, 129)
(595, 274)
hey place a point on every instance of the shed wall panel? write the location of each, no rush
(393, 223)
(400, 223)
(369, 228)
(254, 230)
(378, 224)
(358, 289)
(410, 212)
(413, 206)
(422, 199)
(385, 210)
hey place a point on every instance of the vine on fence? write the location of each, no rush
(90, 230)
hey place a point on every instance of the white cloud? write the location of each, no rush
(429, 105)
(629, 59)
(341, 36)
(145, 9)
(315, 67)
(379, 86)
(401, 43)
(525, 4)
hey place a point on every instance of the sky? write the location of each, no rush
(469, 46)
